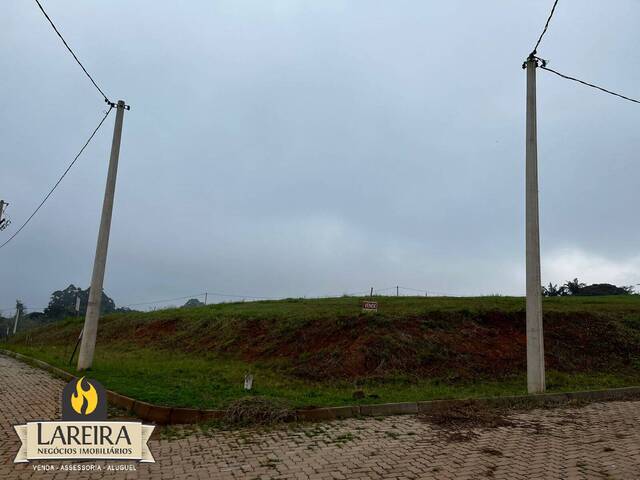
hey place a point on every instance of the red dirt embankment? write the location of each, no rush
(453, 346)
(443, 344)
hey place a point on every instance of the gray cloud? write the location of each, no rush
(305, 148)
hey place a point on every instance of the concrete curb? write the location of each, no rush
(174, 415)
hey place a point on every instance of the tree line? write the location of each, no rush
(576, 288)
(62, 304)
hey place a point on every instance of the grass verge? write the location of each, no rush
(183, 380)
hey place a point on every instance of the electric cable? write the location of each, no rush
(60, 179)
(106, 99)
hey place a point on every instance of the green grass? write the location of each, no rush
(299, 308)
(177, 379)
(174, 369)
(299, 311)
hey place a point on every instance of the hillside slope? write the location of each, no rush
(416, 337)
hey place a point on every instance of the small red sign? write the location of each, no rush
(369, 306)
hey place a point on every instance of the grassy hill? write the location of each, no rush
(317, 352)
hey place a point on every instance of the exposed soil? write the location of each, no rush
(492, 344)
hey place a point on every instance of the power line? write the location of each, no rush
(195, 295)
(352, 294)
(543, 63)
(232, 295)
(544, 67)
(164, 300)
(26, 307)
(254, 297)
(413, 289)
(74, 55)
(377, 290)
(546, 26)
(60, 179)
(446, 294)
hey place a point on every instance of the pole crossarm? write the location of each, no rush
(115, 105)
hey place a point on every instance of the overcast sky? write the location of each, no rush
(302, 148)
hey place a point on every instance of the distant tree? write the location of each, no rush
(573, 286)
(577, 288)
(604, 289)
(554, 291)
(63, 303)
(193, 302)
(5, 326)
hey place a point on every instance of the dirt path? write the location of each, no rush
(601, 440)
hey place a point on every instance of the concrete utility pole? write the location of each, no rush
(3, 221)
(15, 322)
(87, 347)
(535, 339)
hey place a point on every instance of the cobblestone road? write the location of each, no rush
(601, 440)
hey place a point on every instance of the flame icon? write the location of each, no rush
(84, 398)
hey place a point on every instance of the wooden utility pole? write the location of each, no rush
(90, 330)
(535, 339)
